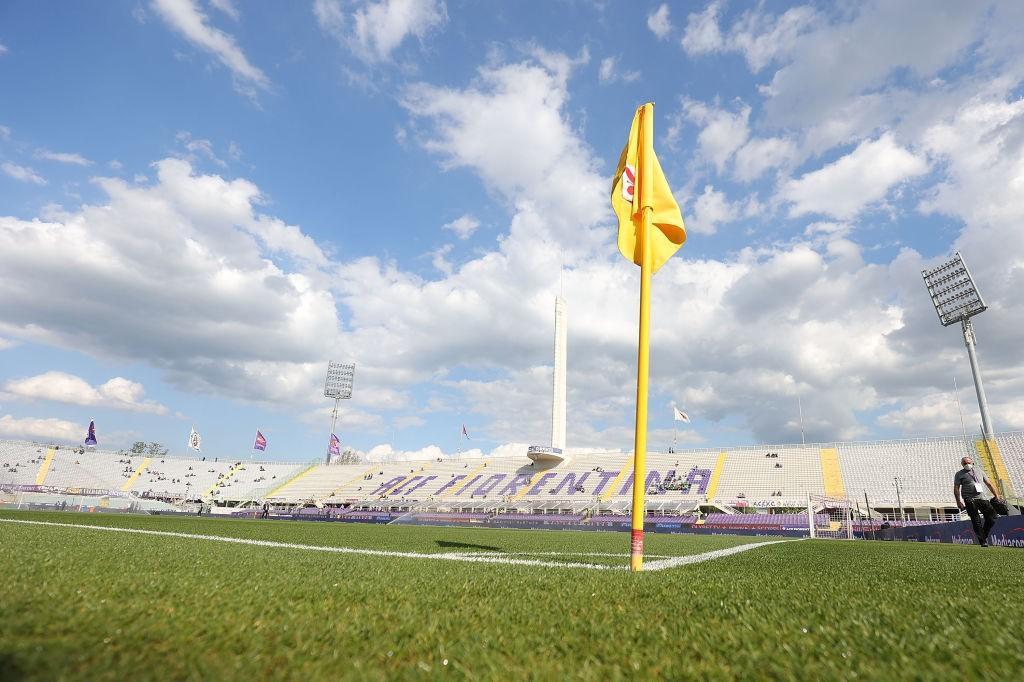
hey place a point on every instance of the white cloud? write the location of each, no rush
(832, 65)
(185, 17)
(197, 148)
(510, 128)
(385, 452)
(844, 187)
(759, 37)
(710, 210)
(330, 16)
(376, 29)
(983, 147)
(3, 49)
(937, 414)
(115, 165)
(439, 259)
(933, 414)
(43, 429)
(609, 72)
(823, 290)
(5, 133)
(6, 343)
(23, 173)
(381, 26)
(207, 304)
(827, 228)
(702, 35)
(227, 7)
(659, 22)
(759, 155)
(117, 393)
(410, 421)
(736, 337)
(212, 308)
(63, 157)
(464, 226)
(763, 39)
(722, 131)
(348, 419)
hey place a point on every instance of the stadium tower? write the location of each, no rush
(558, 379)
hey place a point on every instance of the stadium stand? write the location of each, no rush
(769, 479)
(74, 469)
(1011, 446)
(20, 463)
(923, 469)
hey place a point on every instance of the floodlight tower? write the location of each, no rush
(338, 385)
(956, 299)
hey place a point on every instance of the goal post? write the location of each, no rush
(830, 517)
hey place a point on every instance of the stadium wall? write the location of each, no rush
(1008, 531)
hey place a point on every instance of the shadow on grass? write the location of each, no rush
(9, 668)
(445, 544)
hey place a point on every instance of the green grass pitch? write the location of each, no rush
(84, 604)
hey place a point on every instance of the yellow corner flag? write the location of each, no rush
(628, 189)
(643, 201)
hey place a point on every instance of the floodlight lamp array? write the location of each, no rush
(340, 376)
(952, 291)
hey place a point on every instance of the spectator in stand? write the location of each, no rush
(969, 489)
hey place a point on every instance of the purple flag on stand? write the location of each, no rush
(335, 446)
(90, 438)
(261, 442)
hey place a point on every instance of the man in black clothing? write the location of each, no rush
(969, 489)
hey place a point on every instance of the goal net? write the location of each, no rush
(830, 517)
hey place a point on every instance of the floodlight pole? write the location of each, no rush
(970, 340)
(334, 425)
(338, 385)
(956, 299)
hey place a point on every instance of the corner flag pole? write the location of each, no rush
(645, 176)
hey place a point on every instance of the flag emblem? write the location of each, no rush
(335, 447)
(679, 415)
(261, 442)
(90, 438)
(628, 182)
(194, 440)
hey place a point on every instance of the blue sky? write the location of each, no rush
(202, 201)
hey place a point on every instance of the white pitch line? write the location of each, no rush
(706, 556)
(448, 556)
(621, 555)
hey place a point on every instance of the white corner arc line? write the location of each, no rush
(706, 556)
(448, 556)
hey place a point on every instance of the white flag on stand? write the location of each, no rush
(679, 415)
(194, 439)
